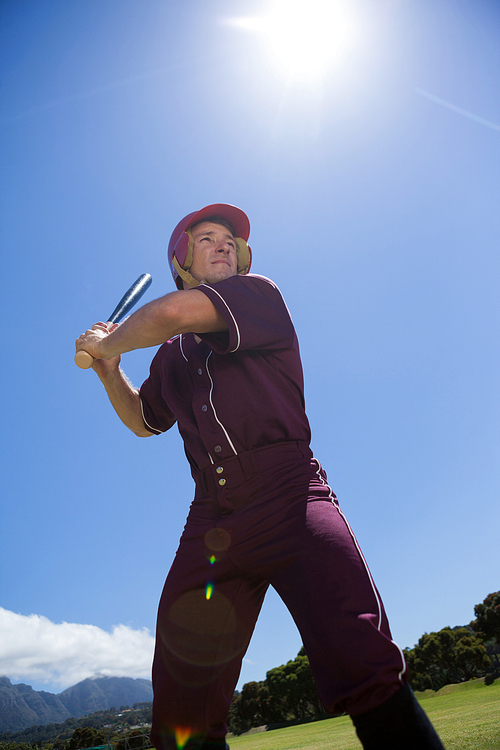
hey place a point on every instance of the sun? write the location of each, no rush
(308, 37)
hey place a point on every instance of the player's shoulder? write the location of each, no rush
(256, 278)
(260, 289)
(253, 281)
(244, 293)
(264, 286)
(241, 287)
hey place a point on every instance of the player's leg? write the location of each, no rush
(333, 600)
(399, 722)
(331, 595)
(206, 617)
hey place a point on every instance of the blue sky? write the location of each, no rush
(372, 187)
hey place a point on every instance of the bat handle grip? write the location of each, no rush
(84, 360)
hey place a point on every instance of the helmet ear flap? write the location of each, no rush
(181, 248)
(244, 256)
(183, 269)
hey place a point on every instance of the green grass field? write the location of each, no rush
(466, 716)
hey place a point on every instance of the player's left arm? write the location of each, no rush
(153, 324)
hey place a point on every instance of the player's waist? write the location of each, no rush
(230, 472)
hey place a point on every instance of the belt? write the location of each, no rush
(229, 472)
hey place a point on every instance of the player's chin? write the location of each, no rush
(219, 273)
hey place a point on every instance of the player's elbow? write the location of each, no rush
(142, 433)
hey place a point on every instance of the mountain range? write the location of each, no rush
(22, 707)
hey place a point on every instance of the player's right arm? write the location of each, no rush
(124, 398)
(123, 395)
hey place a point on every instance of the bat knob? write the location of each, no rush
(84, 360)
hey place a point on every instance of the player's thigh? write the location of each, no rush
(208, 607)
(327, 579)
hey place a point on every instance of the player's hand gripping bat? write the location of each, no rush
(82, 358)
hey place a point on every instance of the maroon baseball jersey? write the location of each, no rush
(236, 390)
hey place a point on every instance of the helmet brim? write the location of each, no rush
(235, 216)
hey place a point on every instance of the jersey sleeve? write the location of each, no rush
(157, 416)
(255, 312)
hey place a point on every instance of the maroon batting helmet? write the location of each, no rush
(180, 247)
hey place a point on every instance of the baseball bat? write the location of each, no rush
(82, 358)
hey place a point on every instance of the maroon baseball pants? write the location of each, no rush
(266, 517)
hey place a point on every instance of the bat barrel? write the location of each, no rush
(130, 298)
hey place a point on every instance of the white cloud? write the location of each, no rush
(35, 650)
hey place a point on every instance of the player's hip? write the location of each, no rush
(279, 473)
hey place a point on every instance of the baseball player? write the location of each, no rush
(228, 371)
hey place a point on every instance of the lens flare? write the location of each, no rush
(182, 735)
(213, 559)
(201, 627)
(217, 540)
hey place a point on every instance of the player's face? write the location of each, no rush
(214, 252)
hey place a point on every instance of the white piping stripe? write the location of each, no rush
(213, 407)
(152, 429)
(372, 582)
(401, 673)
(232, 316)
(182, 350)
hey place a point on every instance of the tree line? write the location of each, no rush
(289, 693)
(459, 654)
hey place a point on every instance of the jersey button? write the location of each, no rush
(204, 407)
(219, 470)
(200, 371)
(217, 449)
(222, 482)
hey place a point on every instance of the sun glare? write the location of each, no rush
(308, 37)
